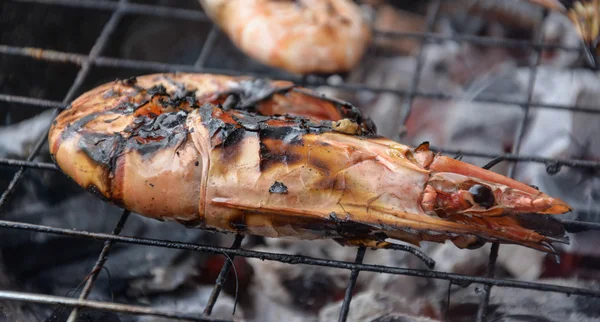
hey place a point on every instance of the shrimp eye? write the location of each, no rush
(482, 195)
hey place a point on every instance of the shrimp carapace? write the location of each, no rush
(272, 159)
(301, 36)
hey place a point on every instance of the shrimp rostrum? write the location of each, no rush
(269, 158)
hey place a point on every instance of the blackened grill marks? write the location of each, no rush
(346, 110)
(230, 144)
(181, 91)
(274, 153)
(157, 89)
(212, 124)
(233, 137)
(288, 135)
(277, 134)
(231, 102)
(99, 147)
(164, 131)
(154, 129)
(148, 132)
(252, 92)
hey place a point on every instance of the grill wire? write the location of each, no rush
(95, 58)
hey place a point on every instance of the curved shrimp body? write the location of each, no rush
(281, 162)
(302, 36)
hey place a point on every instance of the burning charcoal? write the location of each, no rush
(557, 29)
(85, 315)
(268, 310)
(519, 262)
(469, 125)
(507, 304)
(395, 317)
(193, 301)
(565, 134)
(451, 259)
(132, 273)
(522, 263)
(382, 306)
(165, 278)
(17, 141)
(9, 310)
(38, 187)
(300, 288)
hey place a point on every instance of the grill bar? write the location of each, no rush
(458, 279)
(99, 264)
(129, 8)
(29, 164)
(487, 289)
(572, 163)
(208, 46)
(102, 306)
(17, 177)
(575, 226)
(432, 17)
(30, 101)
(135, 8)
(553, 162)
(57, 56)
(360, 255)
(482, 311)
(95, 51)
(527, 106)
(222, 278)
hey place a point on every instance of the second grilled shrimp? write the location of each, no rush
(303, 36)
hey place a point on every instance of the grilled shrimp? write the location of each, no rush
(269, 158)
(302, 36)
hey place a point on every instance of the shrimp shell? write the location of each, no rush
(272, 159)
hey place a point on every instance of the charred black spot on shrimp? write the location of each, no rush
(287, 135)
(249, 93)
(278, 187)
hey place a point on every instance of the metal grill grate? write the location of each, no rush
(94, 58)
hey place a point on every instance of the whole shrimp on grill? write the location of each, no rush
(299, 36)
(269, 158)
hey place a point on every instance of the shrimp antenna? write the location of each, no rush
(237, 284)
